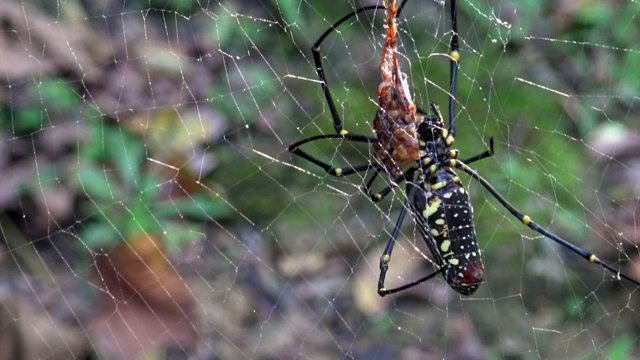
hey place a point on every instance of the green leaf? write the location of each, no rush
(99, 235)
(621, 348)
(95, 184)
(290, 12)
(177, 235)
(27, 121)
(127, 153)
(381, 323)
(92, 151)
(593, 13)
(148, 189)
(197, 207)
(575, 306)
(56, 94)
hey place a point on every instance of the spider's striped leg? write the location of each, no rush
(525, 219)
(386, 255)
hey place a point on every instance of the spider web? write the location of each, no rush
(149, 206)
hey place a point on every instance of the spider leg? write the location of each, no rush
(337, 121)
(525, 219)
(454, 56)
(386, 255)
(384, 192)
(383, 292)
(485, 154)
(337, 172)
(340, 171)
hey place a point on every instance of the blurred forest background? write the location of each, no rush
(149, 208)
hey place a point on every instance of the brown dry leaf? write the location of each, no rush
(153, 306)
(142, 265)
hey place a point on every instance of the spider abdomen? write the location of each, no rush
(445, 219)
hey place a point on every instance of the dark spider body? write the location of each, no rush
(443, 211)
(444, 216)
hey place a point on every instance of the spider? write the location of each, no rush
(408, 137)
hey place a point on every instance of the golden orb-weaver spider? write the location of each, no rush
(406, 135)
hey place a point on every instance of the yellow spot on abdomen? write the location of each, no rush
(445, 245)
(432, 207)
